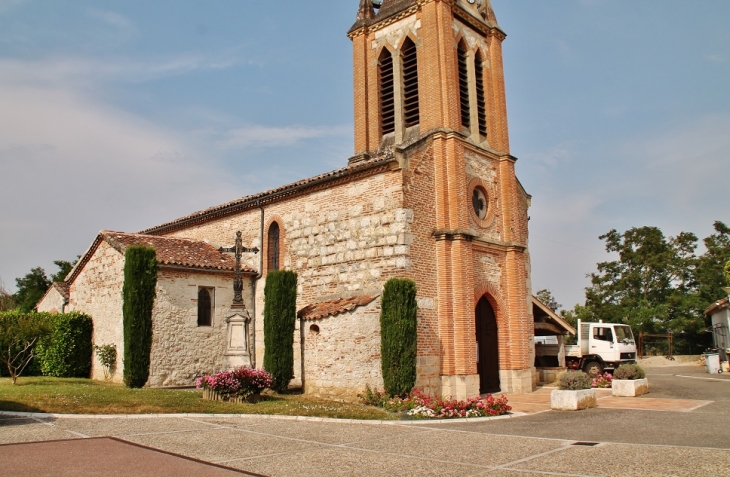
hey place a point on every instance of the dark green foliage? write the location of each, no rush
(138, 294)
(280, 312)
(629, 371)
(574, 380)
(31, 289)
(7, 302)
(19, 336)
(398, 336)
(658, 284)
(64, 268)
(66, 351)
(727, 273)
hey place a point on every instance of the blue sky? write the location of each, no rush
(122, 115)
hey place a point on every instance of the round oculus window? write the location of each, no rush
(479, 203)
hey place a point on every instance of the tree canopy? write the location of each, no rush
(657, 284)
(36, 283)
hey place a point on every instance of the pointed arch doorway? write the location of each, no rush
(487, 347)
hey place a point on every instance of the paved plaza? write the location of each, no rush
(679, 429)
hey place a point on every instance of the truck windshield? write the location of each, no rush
(623, 333)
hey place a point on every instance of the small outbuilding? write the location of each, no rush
(719, 313)
(189, 319)
(550, 332)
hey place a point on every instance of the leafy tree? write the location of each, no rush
(31, 289)
(19, 334)
(280, 314)
(652, 286)
(64, 268)
(727, 273)
(710, 273)
(6, 299)
(547, 298)
(138, 295)
(398, 336)
(36, 283)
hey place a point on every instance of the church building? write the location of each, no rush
(430, 194)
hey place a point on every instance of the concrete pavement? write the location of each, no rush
(596, 442)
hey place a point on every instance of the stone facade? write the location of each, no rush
(342, 353)
(437, 202)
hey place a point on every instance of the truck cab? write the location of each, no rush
(601, 346)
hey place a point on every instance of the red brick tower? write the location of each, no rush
(429, 86)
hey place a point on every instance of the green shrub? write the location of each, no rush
(66, 351)
(19, 336)
(398, 336)
(574, 380)
(138, 294)
(629, 371)
(280, 313)
(727, 273)
(107, 355)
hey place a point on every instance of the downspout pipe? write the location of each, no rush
(64, 304)
(253, 285)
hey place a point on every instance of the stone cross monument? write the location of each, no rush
(238, 318)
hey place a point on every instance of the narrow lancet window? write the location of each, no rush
(481, 104)
(464, 85)
(205, 307)
(273, 247)
(410, 84)
(387, 92)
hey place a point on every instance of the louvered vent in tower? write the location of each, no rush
(481, 104)
(387, 99)
(410, 84)
(463, 85)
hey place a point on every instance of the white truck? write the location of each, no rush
(601, 346)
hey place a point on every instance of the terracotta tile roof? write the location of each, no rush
(316, 311)
(176, 251)
(262, 198)
(718, 305)
(62, 288)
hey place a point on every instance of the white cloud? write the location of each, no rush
(262, 136)
(122, 24)
(77, 73)
(7, 5)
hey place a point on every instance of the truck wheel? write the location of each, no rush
(594, 369)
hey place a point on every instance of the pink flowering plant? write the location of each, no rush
(418, 405)
(241, 382)
(602, 381)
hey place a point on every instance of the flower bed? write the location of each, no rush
(602, 381)
(240, 385)
(420, 406)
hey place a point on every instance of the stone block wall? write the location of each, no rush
(97, 291)
(344, 240)
(181, 350)
(52, 301)
(342, 354)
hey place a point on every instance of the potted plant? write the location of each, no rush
(574, 392)
(240, 385)
(629, 380)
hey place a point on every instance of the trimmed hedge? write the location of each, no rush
(17, 329)
(280, 313)
(398, 336)
(138, 294)
(66, 351)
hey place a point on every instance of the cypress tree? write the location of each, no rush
(280, 301)
(140, 280)
(398, 336)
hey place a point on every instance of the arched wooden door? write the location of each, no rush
(487, 347)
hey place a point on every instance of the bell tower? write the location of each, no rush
(429, 88)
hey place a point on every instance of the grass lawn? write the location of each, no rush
(84, 396)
